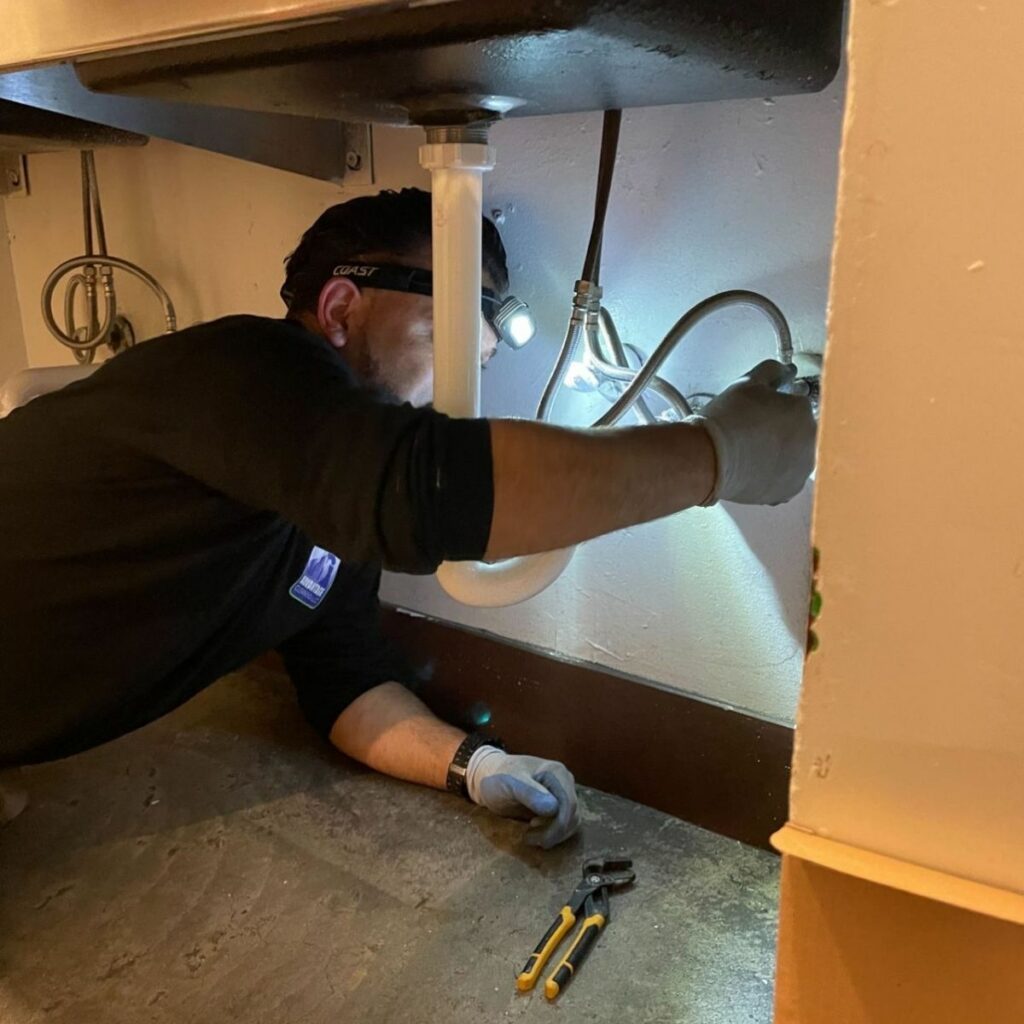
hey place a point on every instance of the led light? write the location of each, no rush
(520, 328)
(480, 715)
(514, 322)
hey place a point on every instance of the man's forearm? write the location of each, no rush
(554, 487)
(393, 732)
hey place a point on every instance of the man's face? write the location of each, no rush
(391, 340)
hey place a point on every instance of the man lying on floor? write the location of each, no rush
(237, 486)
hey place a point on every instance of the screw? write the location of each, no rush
(353, 160)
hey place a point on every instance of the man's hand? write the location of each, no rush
(518, 786)
(763, 438)
(390, 730)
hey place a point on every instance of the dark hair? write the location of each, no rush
(389, 224)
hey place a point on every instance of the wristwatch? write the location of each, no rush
(456, 782)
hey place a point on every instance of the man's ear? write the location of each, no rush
(339, 299)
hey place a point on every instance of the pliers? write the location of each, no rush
(600, 876)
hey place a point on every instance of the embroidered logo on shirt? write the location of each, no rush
(316, 579)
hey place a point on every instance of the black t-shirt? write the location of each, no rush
(200, 499)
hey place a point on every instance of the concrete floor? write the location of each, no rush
(223, 865)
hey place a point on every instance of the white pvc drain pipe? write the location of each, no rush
(456, 182)
(457, 170)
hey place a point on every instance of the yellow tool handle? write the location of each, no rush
(540, 956)
(572, 961)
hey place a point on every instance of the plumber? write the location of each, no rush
(237, 487)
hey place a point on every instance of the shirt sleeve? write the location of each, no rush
(343, 654)
(270, 415)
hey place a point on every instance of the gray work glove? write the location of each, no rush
(518, 786)
(763, 438)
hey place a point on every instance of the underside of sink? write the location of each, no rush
(524, 58)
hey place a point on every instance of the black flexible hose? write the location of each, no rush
(592, 262)
(605, 170)
(86, 203)
(97, 206)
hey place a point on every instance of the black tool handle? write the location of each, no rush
(573, 960)
(539, 957)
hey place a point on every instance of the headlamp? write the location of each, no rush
(513, 322)
(510, 317)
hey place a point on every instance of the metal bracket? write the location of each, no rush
(13, 175)
(331, 150)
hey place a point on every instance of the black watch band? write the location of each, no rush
(456, 781)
